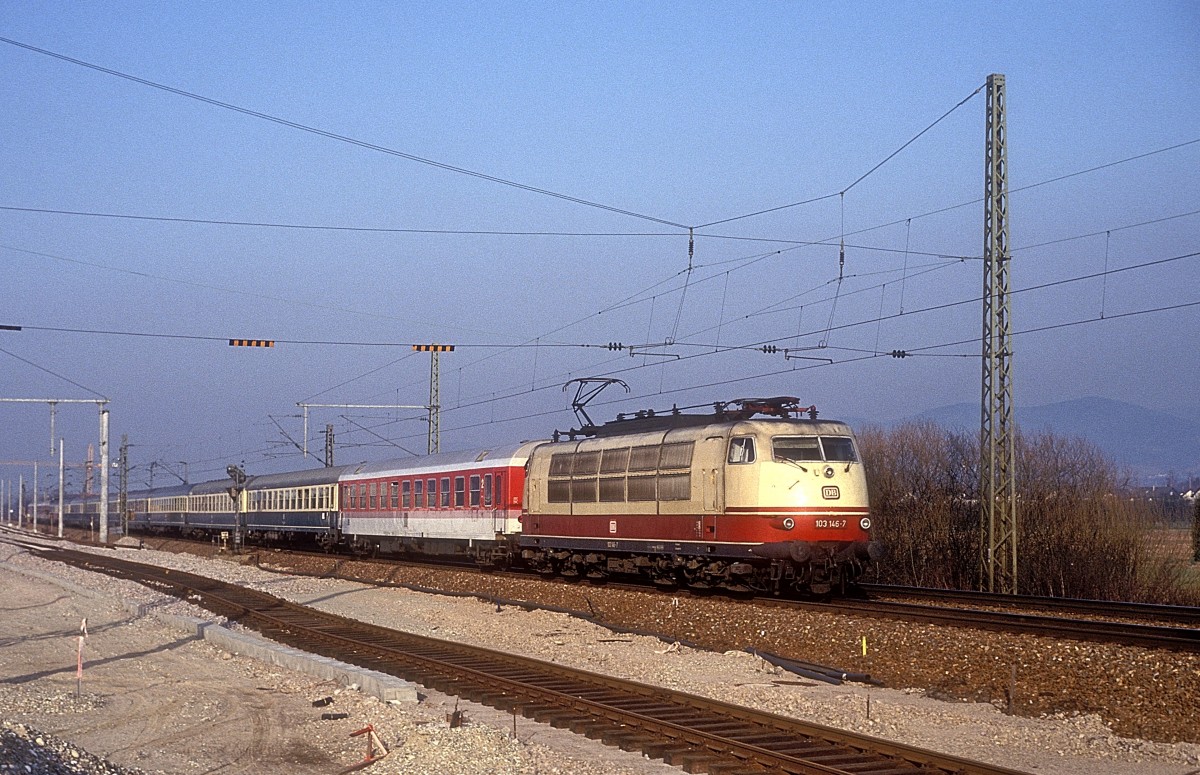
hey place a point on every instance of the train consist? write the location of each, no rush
(751, 496)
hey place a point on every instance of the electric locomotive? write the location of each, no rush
(727, 499)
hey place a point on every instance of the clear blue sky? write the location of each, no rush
(684, 113)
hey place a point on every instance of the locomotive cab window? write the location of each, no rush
(839, 448)
(741, 449)
(796, 448)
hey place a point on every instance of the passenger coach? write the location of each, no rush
(463, 503)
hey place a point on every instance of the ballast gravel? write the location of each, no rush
(1066, 742)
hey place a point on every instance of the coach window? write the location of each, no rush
(395, 495)
(374, 495)
(360, 499)
(445, 492)
(406, 494)
(431, 488)
(460, 492)
(487, 489)
(741, 449)
(418, 494)
(475, 492)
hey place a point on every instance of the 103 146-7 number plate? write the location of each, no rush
(831, 523)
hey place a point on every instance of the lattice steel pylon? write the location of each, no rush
(434, 443)
(997, 471)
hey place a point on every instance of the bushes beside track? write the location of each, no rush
(1079, 532)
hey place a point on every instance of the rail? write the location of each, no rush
(696, 733)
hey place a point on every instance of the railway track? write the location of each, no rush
(1094, 630)
(1185, 637)
(1112, 625)
(695, 733)
(1185, 616)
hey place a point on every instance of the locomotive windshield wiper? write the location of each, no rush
(792, 462)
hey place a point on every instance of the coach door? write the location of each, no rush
(493, 500)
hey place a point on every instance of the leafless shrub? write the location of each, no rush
(1196, 530)
(1078, 535)
(923, 495)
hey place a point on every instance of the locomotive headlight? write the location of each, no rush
(865, 523)
(789, 523)
(828, 472)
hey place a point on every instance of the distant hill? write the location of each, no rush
(1151, 444)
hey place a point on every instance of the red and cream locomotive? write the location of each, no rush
(729, 500)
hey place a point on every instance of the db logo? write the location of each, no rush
(830, 492)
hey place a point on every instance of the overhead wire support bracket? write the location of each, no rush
(643, 349)
(788, 356)
(306, 406)
(772, 349)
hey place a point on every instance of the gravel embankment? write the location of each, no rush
(27, 751)
(1069, 696)
(1141, 693)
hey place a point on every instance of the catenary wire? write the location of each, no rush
(236, 291)
(341, 138)
(853, 324)
(860, 179)
(52, 373)
(779, 372)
